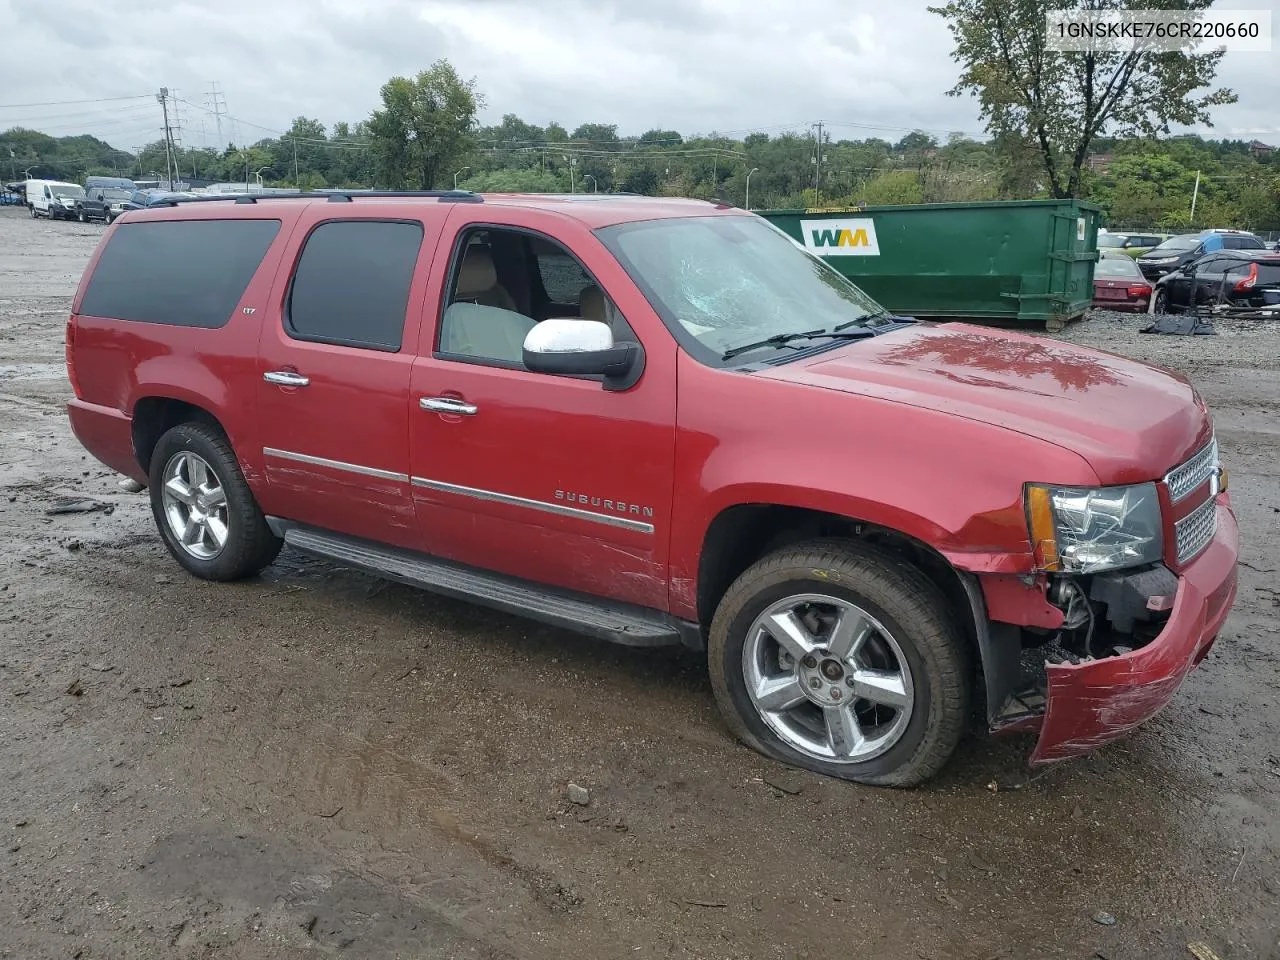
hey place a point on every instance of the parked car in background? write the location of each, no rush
(53, 198)
(1241, 278)
(141, 199)
(868, 523)
(1118, 284)
(1177, 252)
(114, 183)
(92, 206)
(1132, 244)
(107, 195)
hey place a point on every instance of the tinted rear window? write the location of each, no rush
(351, 286)
(189, 273)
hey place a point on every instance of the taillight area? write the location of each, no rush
(70, 354)
(1247, 282)
(1141, 290)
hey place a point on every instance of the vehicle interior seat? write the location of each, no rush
(478, 281)
(482, 320)
(592, 304)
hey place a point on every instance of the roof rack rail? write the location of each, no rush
(333, 196)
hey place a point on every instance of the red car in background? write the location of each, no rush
(1118, 284)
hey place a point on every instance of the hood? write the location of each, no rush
(1130, 421)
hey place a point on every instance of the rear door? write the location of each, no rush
(1177, 288)
(334, 361)
(1210, 276)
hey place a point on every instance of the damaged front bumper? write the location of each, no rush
(1094, 702)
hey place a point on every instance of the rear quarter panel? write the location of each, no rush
(120, 362)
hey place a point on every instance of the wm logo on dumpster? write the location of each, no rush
(841, 238)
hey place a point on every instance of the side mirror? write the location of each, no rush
(575, 347)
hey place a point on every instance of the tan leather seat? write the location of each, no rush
(483, 321)
(478, 281)
(593, 304)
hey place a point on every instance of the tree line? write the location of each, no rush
(1093, 125)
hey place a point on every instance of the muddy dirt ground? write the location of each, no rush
(317, 763)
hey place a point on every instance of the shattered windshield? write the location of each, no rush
(730, 281)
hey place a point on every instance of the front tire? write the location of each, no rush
(203, 507)
(81, 217)
(842, 660)
(1160, 302)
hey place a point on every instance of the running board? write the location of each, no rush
(625, 624)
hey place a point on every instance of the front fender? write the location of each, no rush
(949, 482)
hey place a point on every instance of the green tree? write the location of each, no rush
(425, 126)
(899, 186)
(515, 181)
(641, 180)
(917, 141)
(1066, 100)
(661, 137)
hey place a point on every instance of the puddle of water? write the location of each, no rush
(32, 371)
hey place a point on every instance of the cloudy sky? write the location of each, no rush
(865, 67)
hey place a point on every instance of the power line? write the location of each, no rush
(79, 117)
(60, 103)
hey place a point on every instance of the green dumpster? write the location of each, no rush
(1029, 261)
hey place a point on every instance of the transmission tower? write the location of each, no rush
(218, 107)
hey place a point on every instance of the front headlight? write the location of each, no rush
(1084, 530)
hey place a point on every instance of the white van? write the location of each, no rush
(53, 198)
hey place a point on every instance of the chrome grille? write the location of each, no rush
(1188, 476)
(1194, 531)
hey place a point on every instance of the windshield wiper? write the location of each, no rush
(782, 339)
(886, 318)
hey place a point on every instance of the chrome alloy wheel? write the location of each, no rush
(195, 505)
(828, 678)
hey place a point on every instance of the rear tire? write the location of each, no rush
(32, 208)
(204, 509)
(906, 684)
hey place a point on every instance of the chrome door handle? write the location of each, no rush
(448, 405)
(286, 378)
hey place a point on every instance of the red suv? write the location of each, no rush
(661, 421)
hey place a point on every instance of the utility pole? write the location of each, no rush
(169, 159)
(1194, 195)
(817, 166)
(295, 162)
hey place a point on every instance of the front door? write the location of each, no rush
(334, 362)
(548, 478)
